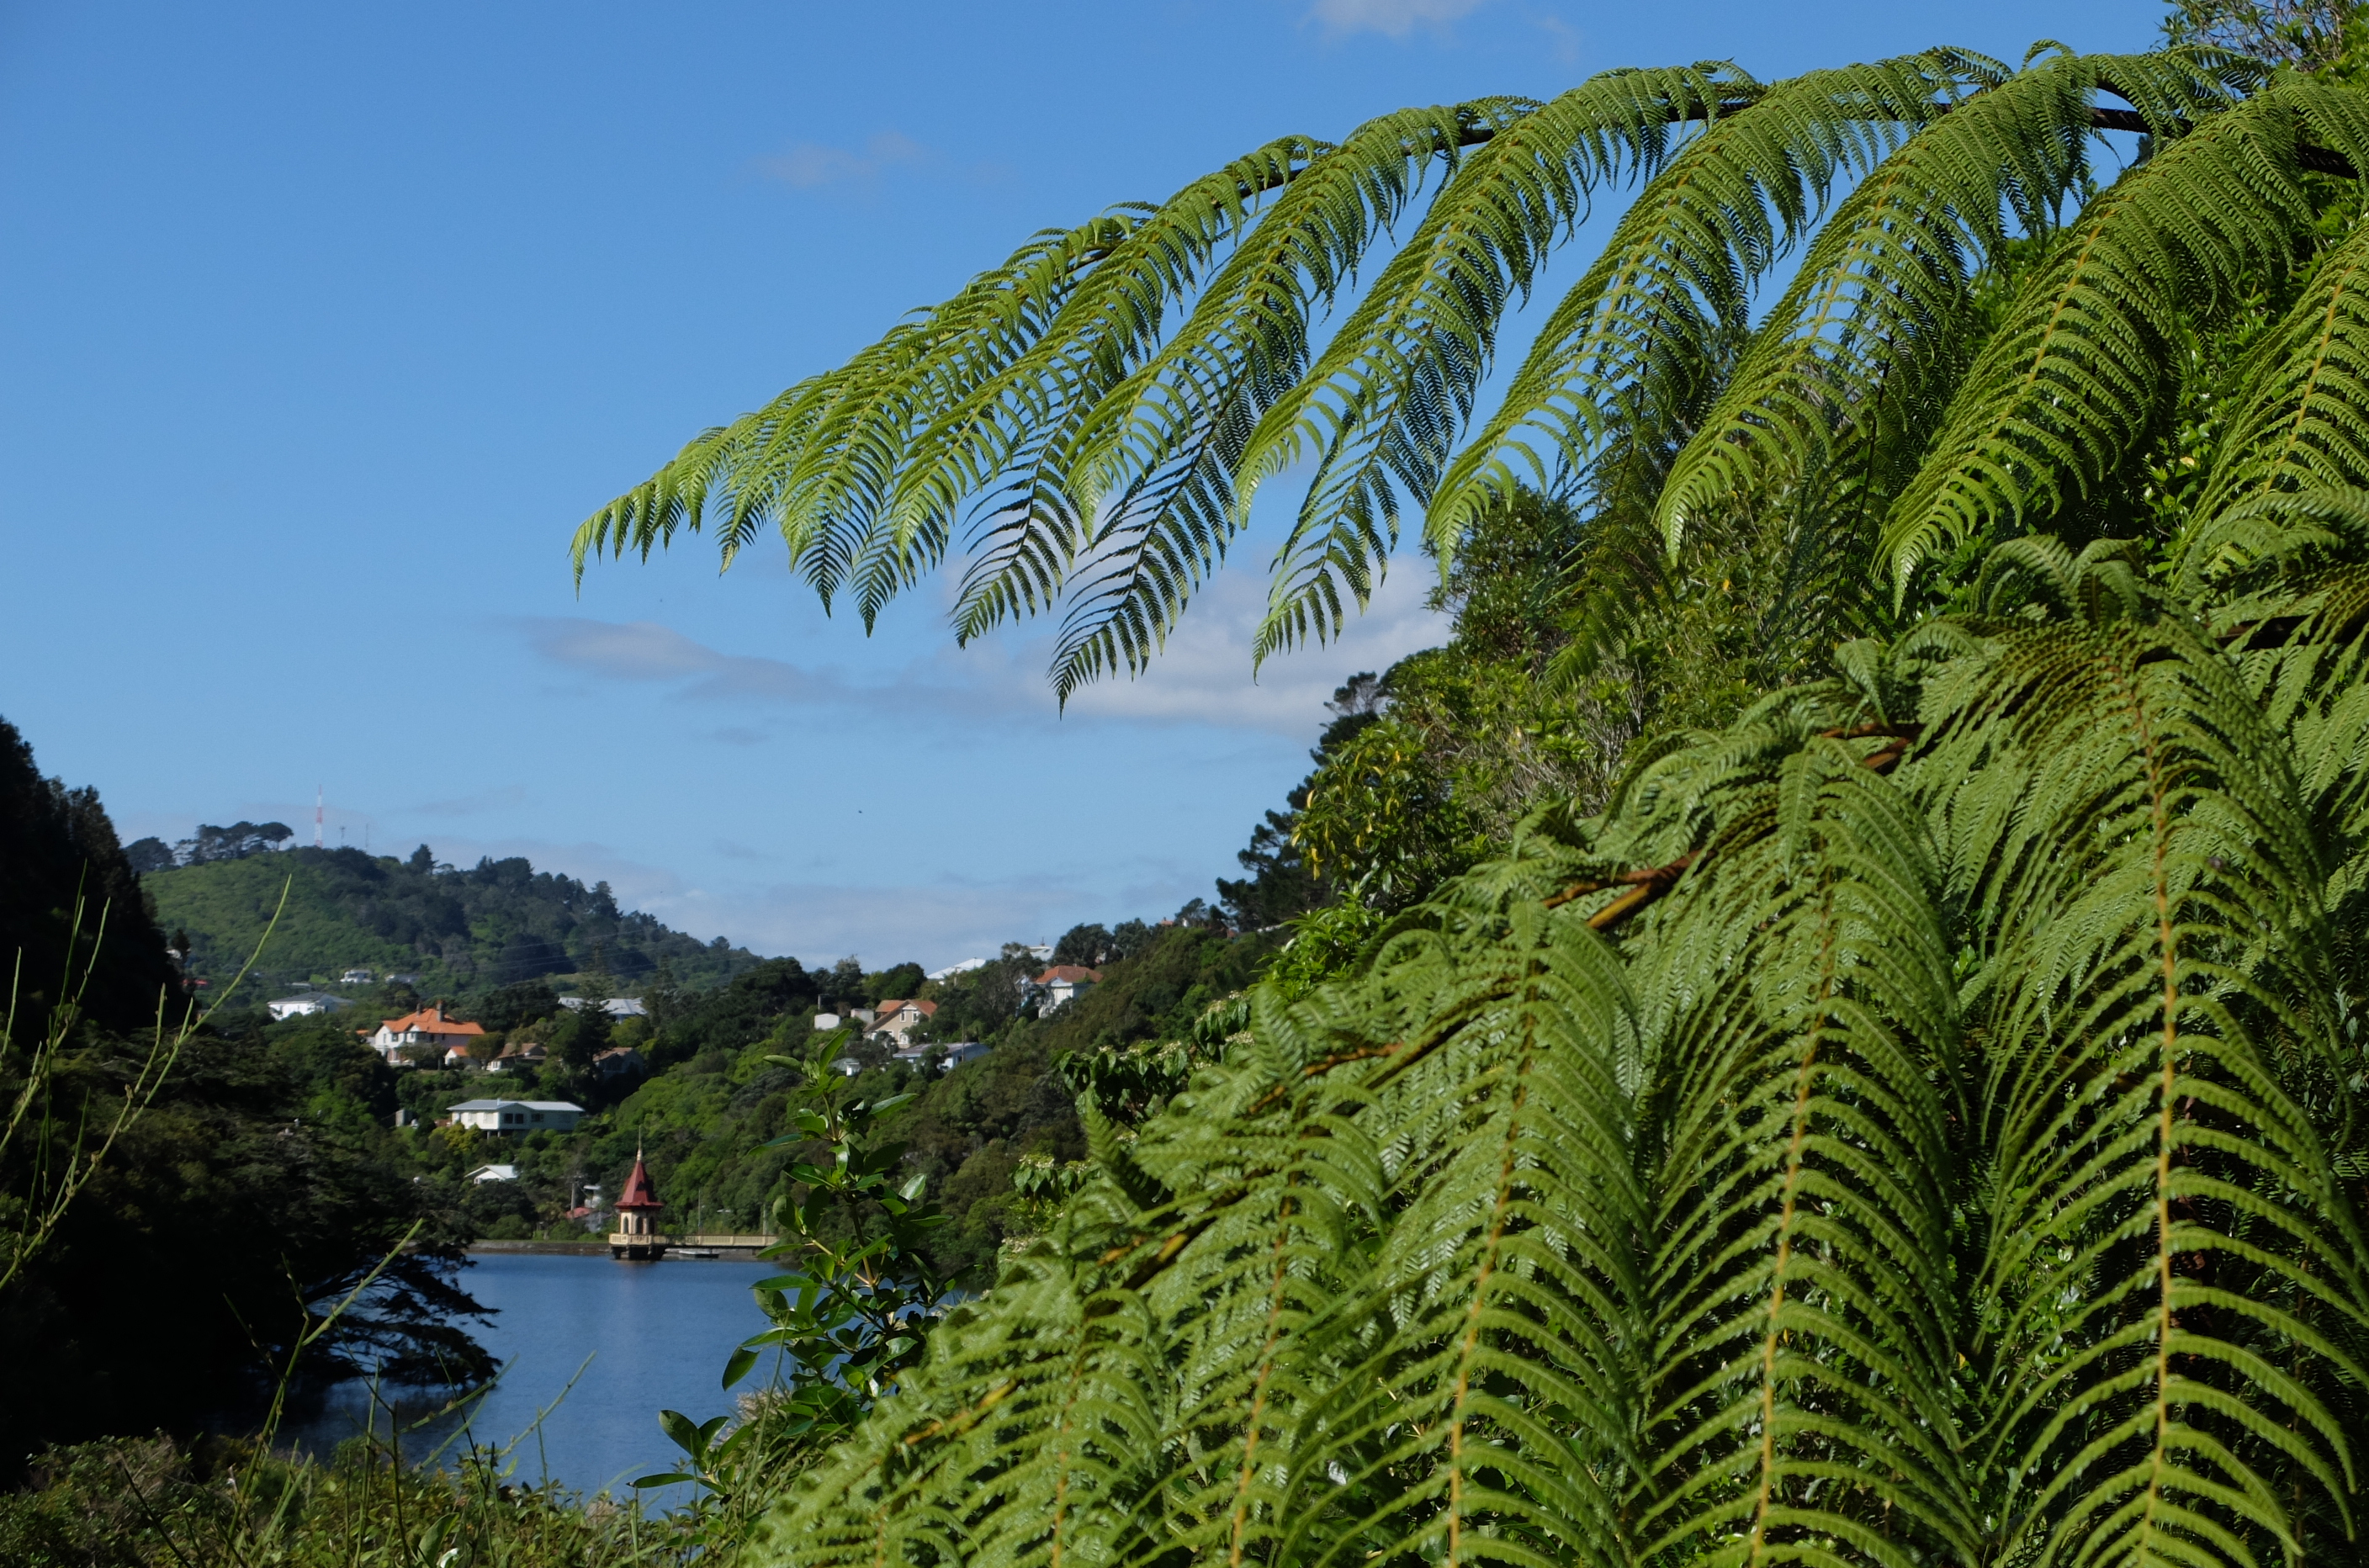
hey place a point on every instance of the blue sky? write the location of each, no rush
(324, 326)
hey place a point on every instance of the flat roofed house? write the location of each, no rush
(517, 1115)
(428, 1026)
(289, 1007)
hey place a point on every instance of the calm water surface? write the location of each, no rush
(647, 1337)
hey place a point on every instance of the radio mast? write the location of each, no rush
(317, 797)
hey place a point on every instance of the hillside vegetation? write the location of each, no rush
(498, 922)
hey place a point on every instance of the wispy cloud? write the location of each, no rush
(470, 804)
(1394, 18)
(1203, 676)
(807, 165)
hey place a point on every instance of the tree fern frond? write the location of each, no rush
(2304, 422)
(1160, 449)
(2075, 369)
(820, 462)
(1802, 1286)
(1642, 330)
(2170, 1293)
(1890, 278)
(1486, 1409)
(1384, 402)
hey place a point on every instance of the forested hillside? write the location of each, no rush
(494, 923)
(256, 1187)
(716, 1098)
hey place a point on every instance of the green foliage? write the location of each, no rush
(500, 923)
(1988, 334)
(149, 1503)
(1909, 1125)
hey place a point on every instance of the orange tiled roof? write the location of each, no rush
(429, 1021)
(1069, 972)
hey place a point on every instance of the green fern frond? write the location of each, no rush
(2305, 420)
(1383, 404)
(1486, 1409)
(1890, 279)
(2171, 1296)
(2075, 370)
(1642, 329)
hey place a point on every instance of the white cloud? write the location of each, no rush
(807, 165)
(1203, 676)
(1395, 18)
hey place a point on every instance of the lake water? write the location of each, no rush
(646, 1337)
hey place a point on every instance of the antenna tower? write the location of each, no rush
(317, 797)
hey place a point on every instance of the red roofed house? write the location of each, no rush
(637, 1235)
(892, 1021)
(428, 1026)
(1062, 981)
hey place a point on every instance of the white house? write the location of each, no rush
(517, 1115)
(615, 1007)
(826, 1020)
(494, 1174)
(356, 977)
(894, 1020)
(948, 1057)
(428, 1026)
(289, 1007)
(964, 967)
(1062, 982)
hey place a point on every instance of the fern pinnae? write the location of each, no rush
(2112, 1162)
(1678, 269)
(1801, 1275)
(2301, 424)
(1245, 341)
(1888, 272)
(1384, 400)
(2069, 380)
(1507, 1258)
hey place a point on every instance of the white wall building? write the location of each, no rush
(517, 1115)
(615, 1007)
(289, 1007)
(428, 1026)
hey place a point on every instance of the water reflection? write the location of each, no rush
(635, 1339)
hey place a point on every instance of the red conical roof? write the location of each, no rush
(640, 1191)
